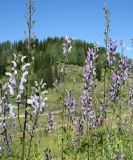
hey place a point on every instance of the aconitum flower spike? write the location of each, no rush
(25, 67)
(70, 104)
(115, 86)
(131, 95)
(37, 101)
(89, 85)
(67, 45)
(89, 70)
(51, 123)
(12, 79)
(111, 51)
(79, 128)
(11, 112)
(23, 58)
(14, 57)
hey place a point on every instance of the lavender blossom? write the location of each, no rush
(87, 113)
(89, 85)
(115, 86)
(51, 123)
(89, 71)
(111, 51)
(70, 104)
(79, 128)
(131, 95)
(37, 101)
(124, 68)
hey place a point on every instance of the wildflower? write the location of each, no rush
(12, 79)
(11, 112)
(70, 103)
(14, 67)
(111, 51)
(115, 86)
(67, 45)
(25, 67)
(89, 71)
(14, 56)
(89, 85)
(131, 95)
(51, 124)
(80, 128)
(23, 58)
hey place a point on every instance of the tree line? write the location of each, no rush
(47, 56)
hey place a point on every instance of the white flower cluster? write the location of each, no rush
(23, 80)
(37, 100)
(67, 45)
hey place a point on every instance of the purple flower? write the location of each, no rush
(111, 51)
(131, 95)
(79, 128)
(115, 86)
(89, 71)
(70, 104)
(51, 123)
(89, 85)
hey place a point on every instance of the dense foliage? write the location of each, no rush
(47, 56)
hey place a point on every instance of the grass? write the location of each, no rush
(43, 139)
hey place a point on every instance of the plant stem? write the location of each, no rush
(24, 128)
(19, 117)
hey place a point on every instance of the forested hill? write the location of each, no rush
(47, 55)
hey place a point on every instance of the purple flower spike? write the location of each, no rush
(111, 51)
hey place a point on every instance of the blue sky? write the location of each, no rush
(79, 19)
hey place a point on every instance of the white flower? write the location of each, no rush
(12, 79)
(25, 66)
(23, 58)
(8, 74)
(36, 84)
(15, 72)
(11, 91)
(15, 57)
(31, 101)
(11, 113)
(19, 97)
(25, 74)
(14, 64)
(22, 85)
(43, 85)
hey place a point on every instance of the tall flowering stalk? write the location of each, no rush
(70, 104)
(107, 39)
(30, 36)
(131, 98)
(119, 78)
(30, 24)
(111, 52)
(23, 92)
(89, 86)
(6, 107)
(115, 86)
(66, 46)
(37, 103)
(66, 49)
(51, 122)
